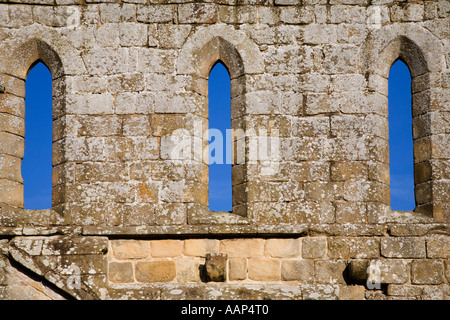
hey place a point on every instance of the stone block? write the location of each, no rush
(262, 269)
(320, 292)
(237, 269)
(237, 14)
(427, 272)
(314, 247)
(12, 144)
(403, 247)
(297, 14)
(166, 248)
(282, 248)
(10, 168)
(350, 212)
(12, 192)
(242, 248)
(345, 248)
(351, 292)
(120, 272)
(156, 13)
(200, 247)
(155, 271)
(136, 125)
(197, 13)
(12, 124)
(404, 290)
(130, 249)
(329, 271)
(165, 124)
(172, 36)
(438, 246)
(349, 170)
(133, 34)
(389, 271)
(188, 270)
(297, 270)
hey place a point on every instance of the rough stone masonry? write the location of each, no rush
(130, 217)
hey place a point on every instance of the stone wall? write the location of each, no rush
(130, 215)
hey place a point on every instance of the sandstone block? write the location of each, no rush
(427, 272)
(155, 271)
(404, 290)
(172, 36)
(188, 270)
(136, 125)
(296, 14)
(237, 269)
(166, 248)
(130, 249)
(438, 246)
(403, 247)
(351, 292)
(200, 247)
(297, 270)
(314, 247)
(261, 269)
(133, 34)
(388, 271)
(345, 248)
(329, 271)
(120, 272)
(12, 192)
(10, 168)
(197, 13)
(159, 13)
(242, 248)
(350, 212)
(282, 248)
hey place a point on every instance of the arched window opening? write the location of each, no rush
(37, 162)
(401, 161)
(219, 111)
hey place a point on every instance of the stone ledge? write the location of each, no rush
(222, 291)
(394, 229)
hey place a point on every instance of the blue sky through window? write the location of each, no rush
(37, 163)
(401, 160)
(219, 111)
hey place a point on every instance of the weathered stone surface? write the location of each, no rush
(297, 270)
(314, 247)
(282, 248)
(130, 249)
(262, 269)
(427, 272)
(353, 248)
(165, 248)
(188, 270)
(403, 247)
(120, 272)
(129, 78)
(237, 269)
(216, 267)
(351, 293)
(200, 247)
(242, 248)
(155, 271)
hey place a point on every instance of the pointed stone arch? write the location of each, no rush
(422, 52)
(18, 54)
(241, 57)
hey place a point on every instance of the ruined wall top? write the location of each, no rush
(130, 86)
